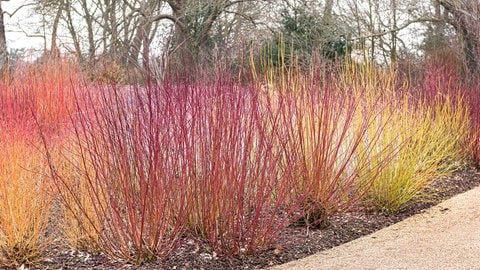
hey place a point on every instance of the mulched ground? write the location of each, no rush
(294, 242)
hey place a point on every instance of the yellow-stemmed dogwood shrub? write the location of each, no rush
(428, 145)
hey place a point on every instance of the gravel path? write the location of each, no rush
(446, 236)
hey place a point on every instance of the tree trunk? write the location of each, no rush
(3, 42)
(393, 49)
(73, 33)
(90, 35)
(190, 44)
(146, 49)
(327, 13)
(54, 51)
(467, 31)
(182, 55)
(470, 49)
(372, 30)
(143, 29)
(117, 49)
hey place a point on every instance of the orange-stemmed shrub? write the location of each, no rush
(25, 199)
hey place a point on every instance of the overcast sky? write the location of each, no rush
(22, 21)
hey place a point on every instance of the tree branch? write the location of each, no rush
(390, 31)
(17, 9)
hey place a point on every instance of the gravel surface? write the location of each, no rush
(446, 236)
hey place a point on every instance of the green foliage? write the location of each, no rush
(304, 34)
(196, 18)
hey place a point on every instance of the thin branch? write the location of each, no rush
(158, 17)
(390, 31)
(26, 33)
(17, 9)
(455, 8)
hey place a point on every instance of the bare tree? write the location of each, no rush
(123, 30)
(376, 25)
(194, 21)
(464, 16)
(3, 40)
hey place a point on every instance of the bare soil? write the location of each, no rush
(294, 242)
